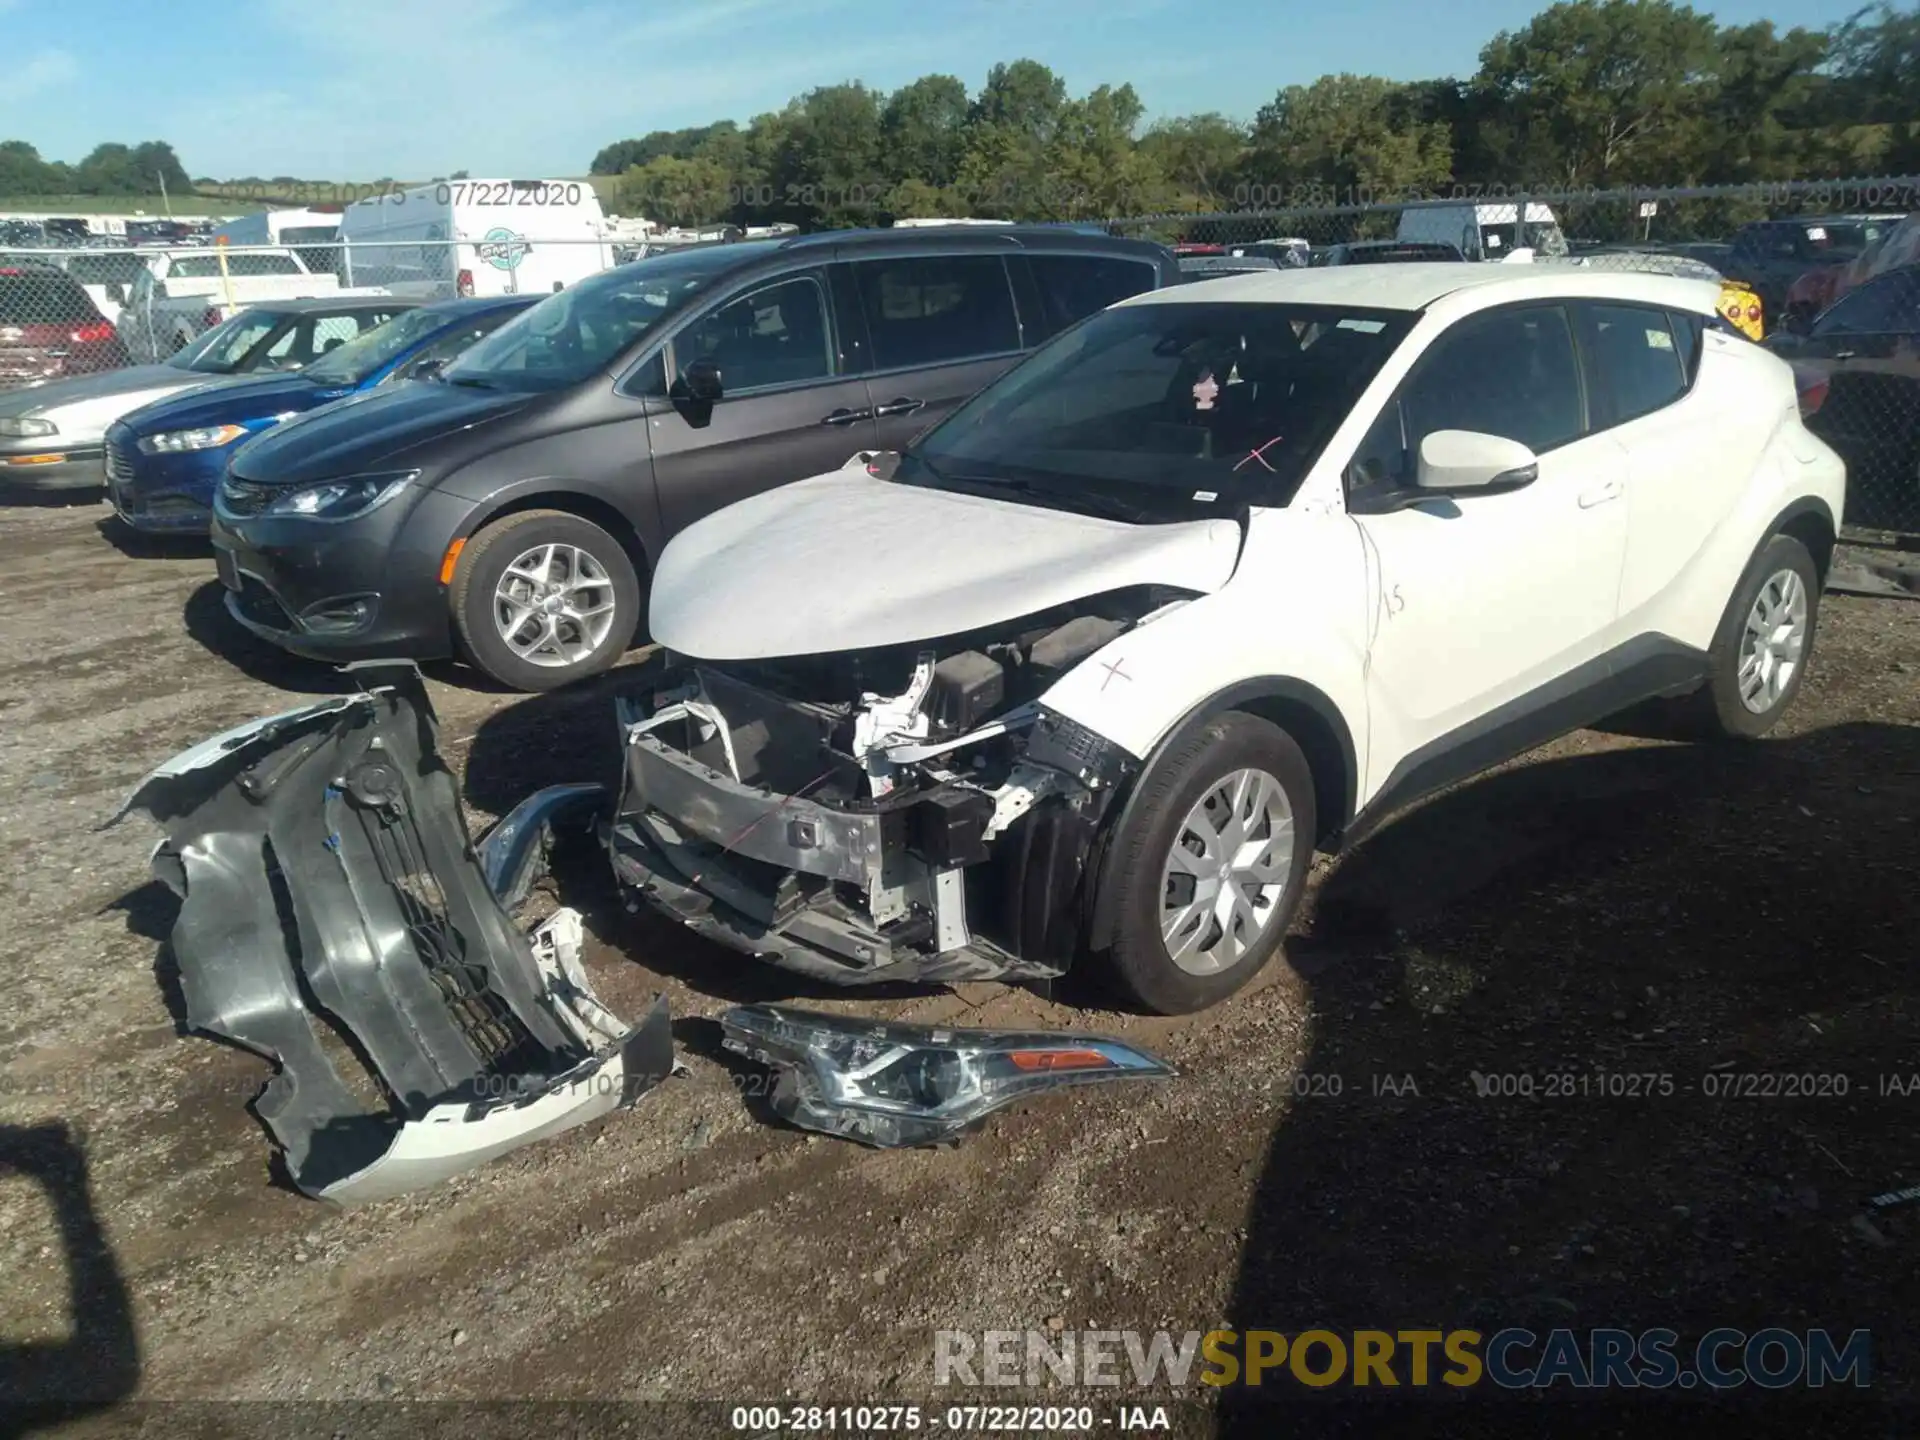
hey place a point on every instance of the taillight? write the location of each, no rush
(1813, 392)
(464, 284)
(95, 334)
(211, 318)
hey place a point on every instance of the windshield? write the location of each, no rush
(1164, 411)
(223, 349)
(1541, 236)
(580, 331)
(371, 350)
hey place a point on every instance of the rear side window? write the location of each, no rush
(1636, 358)
(1073, 287)
(43, 300)
(934, 309)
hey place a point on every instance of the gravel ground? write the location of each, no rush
(1608, 904)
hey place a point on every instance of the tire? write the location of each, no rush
(1141, 960)
(607, 571)
(1723, 709)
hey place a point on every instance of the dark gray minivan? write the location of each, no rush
(511, 508)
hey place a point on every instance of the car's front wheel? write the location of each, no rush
(544, 598)
(1212, 864)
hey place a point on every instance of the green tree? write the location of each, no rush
(1602, 92)
(923, 130)
(1200, 158)
(675, 192)
(1348, 135)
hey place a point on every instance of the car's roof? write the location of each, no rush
(1417, 285)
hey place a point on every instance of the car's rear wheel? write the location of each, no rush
(1760, 653)
(1212, 865)
(544, 598)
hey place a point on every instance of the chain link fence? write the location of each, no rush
(1827, 274)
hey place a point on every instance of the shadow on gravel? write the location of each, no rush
(137, 545)
(209, 623)
(51, 499)
(44, 1384)
(1531, 998)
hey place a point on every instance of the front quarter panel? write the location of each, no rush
(1296, 609)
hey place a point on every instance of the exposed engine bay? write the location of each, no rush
(903, 812)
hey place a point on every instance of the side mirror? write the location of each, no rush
(1467, 462)
(702, 381)
(428, 370)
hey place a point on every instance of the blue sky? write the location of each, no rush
(356, 89)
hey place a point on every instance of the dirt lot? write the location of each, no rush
(1609, 905)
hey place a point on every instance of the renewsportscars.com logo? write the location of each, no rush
(1513, 1359)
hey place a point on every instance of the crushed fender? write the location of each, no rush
(889, 1085)
(330, 893)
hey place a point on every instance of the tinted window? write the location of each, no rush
(1891, 303)
(776, 335)
(1165, 409)
(1636, 359)
(221, 350)
(44, 299)
(1510, 373)
(933, 309)
(1073, 287)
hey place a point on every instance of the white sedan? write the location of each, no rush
(1225, 574)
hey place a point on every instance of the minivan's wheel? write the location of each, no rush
(544, 598)
(1211, 867)
(1760, 653)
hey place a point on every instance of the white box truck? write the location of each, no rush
(1486, 232)
(476, 237)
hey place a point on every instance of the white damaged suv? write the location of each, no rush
(1223, 575)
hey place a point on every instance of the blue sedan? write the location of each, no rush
(164, 460)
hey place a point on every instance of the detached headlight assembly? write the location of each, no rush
(346, 499)
(179, 442)
(26, 427)
(902, 1085)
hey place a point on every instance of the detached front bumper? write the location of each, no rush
(850, 892)
(329, 889)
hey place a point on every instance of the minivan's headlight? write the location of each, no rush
(23, 427)
(207, 437)
(346, 499)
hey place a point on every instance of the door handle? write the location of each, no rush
(844, 416)
(902, 406)
(1843, 355)
(1601, 494)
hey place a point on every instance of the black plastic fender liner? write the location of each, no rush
(327, 880)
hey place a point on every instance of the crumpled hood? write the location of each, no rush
(86, 405)
(845, 561)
